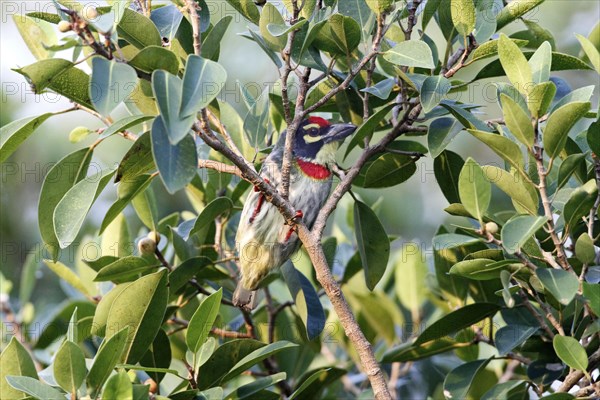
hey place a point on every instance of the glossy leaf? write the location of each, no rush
(571, 352)
(125, 269)
(138, 30)
(373, 243)
(389, 170)
(517, 120)
(440, 134)
(68, 275)
(256, 122)
(459, 380)
(414, 352)
(483, 269)
(367, 128)
(518, 230)
(157, 359)
(411, 53)
(592, 296)
(218, 206)
(119, 387)
(579, 203)
(69, 367)
(306, 300)
(584, 249)
(563, 285)
(339, 36)
(248, 390)
(511, 336)
(559, 124)
(433, 90)
(33, 387)
(463, 16)
(15, 360)
(141, 306)
(466, 118)
(541, 62)
(211, 44)
(568, 167)
(168, 91)
(503, 146)
(447, 168)
(503, 390)
(490, 49)
(247, 8)
(177, 163)
(202, 321)
(138, 160)
(16, 132)
(410, 272)
(151, 58)
(126, 191)
(457, 320)
(202, 82)
(590, 51)
(514, 10)
(515, 65)
(36, 35)
(474, 189)
(111, 83)
(109, 354)
(540, 98)
(256, 356)
(522, 193)
(270, 15)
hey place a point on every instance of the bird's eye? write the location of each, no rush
(313, 132)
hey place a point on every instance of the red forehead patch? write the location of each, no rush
(319, 121)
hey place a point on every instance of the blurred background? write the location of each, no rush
(414, 216)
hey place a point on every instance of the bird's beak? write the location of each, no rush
(338, 132)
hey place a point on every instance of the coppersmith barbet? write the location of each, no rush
(263, 239)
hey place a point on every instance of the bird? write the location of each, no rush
(263, 240)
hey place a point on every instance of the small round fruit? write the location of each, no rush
(155, 236)
(64, 26)
(146, 246)
(491, 227)
(89, 13)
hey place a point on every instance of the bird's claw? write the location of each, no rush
(299, 214)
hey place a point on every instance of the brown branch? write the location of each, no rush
(192, 9)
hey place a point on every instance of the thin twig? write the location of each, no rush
(192, 9)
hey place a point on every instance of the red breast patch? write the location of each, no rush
(312, 170)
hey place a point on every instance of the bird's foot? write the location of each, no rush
(299, 214)
(259, 203)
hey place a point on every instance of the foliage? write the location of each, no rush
(509, 305)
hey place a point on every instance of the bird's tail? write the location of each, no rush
(244, 298)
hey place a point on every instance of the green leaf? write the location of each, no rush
(583, 94)
(168, 91)
(503, 390)
(33, 387)
(202, 321)
(247, 8)
(36, 34)
(541, 63)
(218, 206)
(15, 360)
(373, 243)
(66, 274)
(440, 134)
(515, 9)
(157, 359)
(16, 132)
(103, 309)
(138, 160)
(540, 98)
(381, 89)
(60, 178)
(592, 296)
(571, 352)
(465, 117)
(463, 16)
(270, 16)
(247, 391)
(579, 204)
(151, 58)
(257, 356)
(60, 76)
(483, 269)
(177, 163)
(69, 367)
(511, 336)
(140, 305)
(517, 121)
(280, 30)
(224, 359)
(72, 209)
(312, 386)
(503, 146)
(410, 272)
(212, 42)
(119, 387)
(568, 167)
(124, 124)
(202, 82)
(490, 49)
(522, 193)
(138, 30)
(458, 381)
(388, 170)
(560, 123)
(340, 36)
(518, 230)
(590, 50)
(563, 285)
(256, 122)
(411, 53)
(457, 320)
(127, 191)
(413, 352)
(447, 168)
(125, 269)
(474, 189)
(584, 249)
(367, 128)
(307, 302)
(515, 65)
(109, 354)
(433, 90)
(111, 83)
